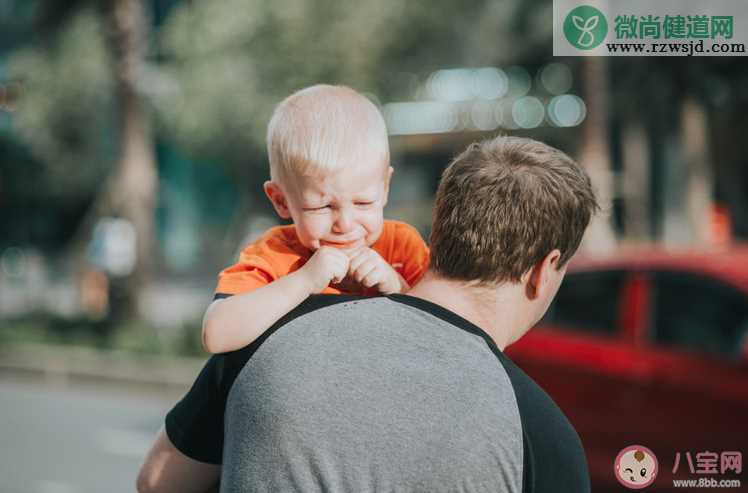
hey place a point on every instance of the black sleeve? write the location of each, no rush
(195, 424)
(554, 458)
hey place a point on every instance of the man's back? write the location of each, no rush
(382, 394)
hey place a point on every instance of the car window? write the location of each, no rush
(588, 302)
(698, 313)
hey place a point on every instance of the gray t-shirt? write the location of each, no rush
(378, 394)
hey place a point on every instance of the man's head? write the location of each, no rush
(511, 210)
(329, 166)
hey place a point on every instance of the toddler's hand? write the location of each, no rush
(326, 265)
(370, 269)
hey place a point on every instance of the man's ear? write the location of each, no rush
(387, 178)
(278, 198)
(536, 279)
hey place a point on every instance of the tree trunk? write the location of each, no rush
(729, 127)
(595, 153)
(687, 182)
(135, 182)
(675, 227)
(636, 182)
(700, 182)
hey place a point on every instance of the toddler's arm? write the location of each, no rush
(232, 323)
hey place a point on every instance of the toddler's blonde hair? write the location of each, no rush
(323, 129)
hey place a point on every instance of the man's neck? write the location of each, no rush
(496, 310)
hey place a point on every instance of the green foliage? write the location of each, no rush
(140, 338)
(134, 336)
(226, 63)
(231, 61)
(218, 68)
(65, 113)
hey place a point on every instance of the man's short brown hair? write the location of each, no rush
(503, 205)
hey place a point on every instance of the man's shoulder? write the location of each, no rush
(531, 395)
(317, 302)
(361, 366)
(378, 314)
(553, 447)
(234, 361)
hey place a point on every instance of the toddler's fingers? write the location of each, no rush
(338, 277)
(340, 270)
(372, 278)
(357, 261)
(355, 252)
(363, 270)
(357, 257)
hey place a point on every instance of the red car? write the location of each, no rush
(650, 347)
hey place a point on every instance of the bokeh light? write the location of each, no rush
(423, 117)
(556, 78)
(498, 114)
(490, 83)
(528, 112)
(519, 81)
(450, 85)
(567, 110)
(483, 115)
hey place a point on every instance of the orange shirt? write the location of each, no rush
(278, 252)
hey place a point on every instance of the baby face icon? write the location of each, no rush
(636, 467)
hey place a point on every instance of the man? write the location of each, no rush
(405, 392)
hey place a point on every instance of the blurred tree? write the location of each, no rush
(91, 57)
(595, 151)
(693, 115)
(63, 79)
(50, 181)
(132, 190)
(227, 63)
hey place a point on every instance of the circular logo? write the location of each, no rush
(635, 467)
(585, 27)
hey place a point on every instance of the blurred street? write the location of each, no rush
(74, 439)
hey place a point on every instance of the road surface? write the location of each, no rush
(74, 439)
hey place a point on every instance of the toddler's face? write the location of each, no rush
(343, 210)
